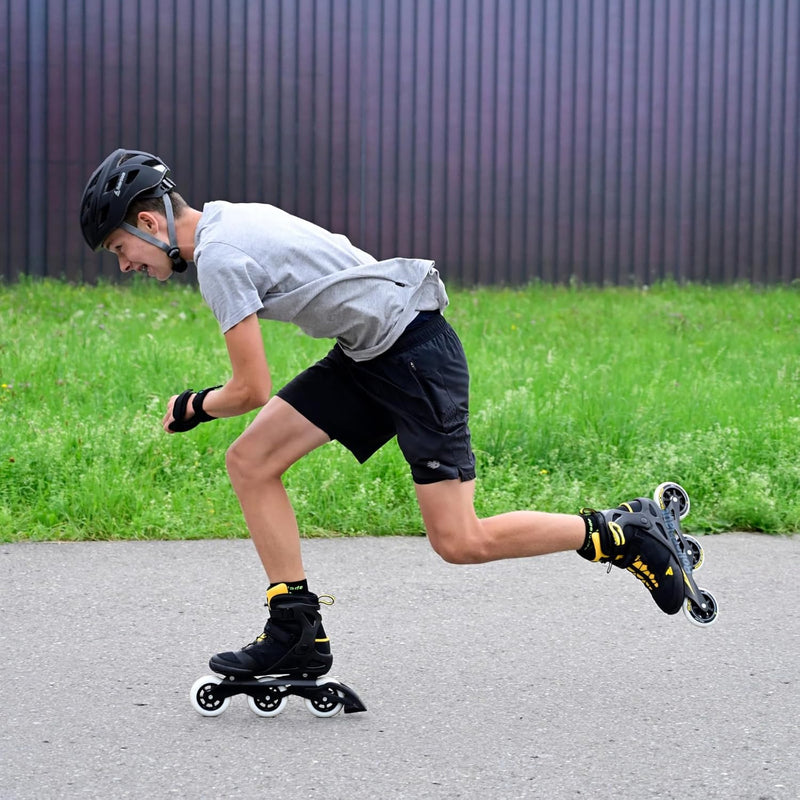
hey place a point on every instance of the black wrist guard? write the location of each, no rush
(181, 425)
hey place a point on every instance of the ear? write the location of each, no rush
(147, 221)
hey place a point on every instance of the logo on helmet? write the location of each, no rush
(120, 183)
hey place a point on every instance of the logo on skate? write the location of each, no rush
(641, 571)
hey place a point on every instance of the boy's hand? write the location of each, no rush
(171, 417)
(185, 411)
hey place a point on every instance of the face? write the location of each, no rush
(136, 255)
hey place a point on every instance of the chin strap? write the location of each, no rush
(178, 264)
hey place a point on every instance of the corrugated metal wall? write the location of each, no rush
(598, 140)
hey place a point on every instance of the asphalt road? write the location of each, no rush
(544, 678)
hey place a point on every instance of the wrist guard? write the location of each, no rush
(179, 424)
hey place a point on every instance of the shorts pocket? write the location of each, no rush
(434, 388)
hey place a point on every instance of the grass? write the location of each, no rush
(579, 397)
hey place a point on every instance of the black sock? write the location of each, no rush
(294, 587)
(591, 547)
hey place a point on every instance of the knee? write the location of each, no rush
(458, 547)
(236, 462)
(244, 464)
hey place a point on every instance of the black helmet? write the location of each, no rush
(125, 176)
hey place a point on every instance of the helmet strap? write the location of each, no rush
(178, 264)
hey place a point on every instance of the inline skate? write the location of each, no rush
(644, 537)
(291, 657)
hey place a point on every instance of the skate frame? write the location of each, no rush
(671, 514)
(308, 689)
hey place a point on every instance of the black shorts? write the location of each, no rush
(418, 391)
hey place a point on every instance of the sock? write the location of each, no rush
(591, 549)
(293, 587)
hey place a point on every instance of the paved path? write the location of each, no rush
(543, 678)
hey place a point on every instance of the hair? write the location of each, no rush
(155, 205)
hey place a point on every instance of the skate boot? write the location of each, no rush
(293, 641)
(633, 536)
(291, 658)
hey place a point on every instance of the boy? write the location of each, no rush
(397, 369)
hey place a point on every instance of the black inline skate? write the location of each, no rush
(644, 536)
(290, 657)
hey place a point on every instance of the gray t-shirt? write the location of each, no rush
(255, 258)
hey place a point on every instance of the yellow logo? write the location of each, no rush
(616, 531)
(641, 571)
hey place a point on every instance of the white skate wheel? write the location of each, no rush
(328, 703)
(204, 699)
(699, 615)
(695, 552)
(270, 702)
(666, 491)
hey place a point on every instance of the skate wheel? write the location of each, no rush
(327, 702)
(695, 552)
(699, 615)
(204, 699)
(665, 492)
(269, 702)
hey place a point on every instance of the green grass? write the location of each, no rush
(579, 397)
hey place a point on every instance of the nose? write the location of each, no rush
(124, 264)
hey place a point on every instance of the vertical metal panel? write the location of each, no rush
(16, 112)
(788, 164)
(608, 141)
(36, 125)
(6, 73)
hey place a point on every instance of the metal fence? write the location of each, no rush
(603, 141)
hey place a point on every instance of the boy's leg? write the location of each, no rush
(277, 438)
(459, 536)
(319, 404)
(631, 536)
(294, 640)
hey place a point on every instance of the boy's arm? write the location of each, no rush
(248, 388)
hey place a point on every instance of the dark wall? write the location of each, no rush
(606, 141)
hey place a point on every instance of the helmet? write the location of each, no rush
(125, 176)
